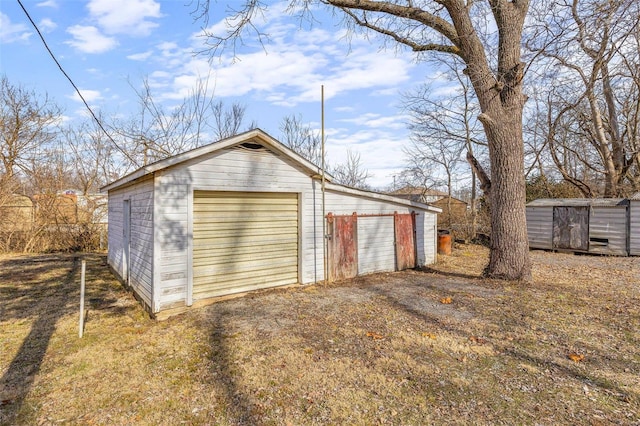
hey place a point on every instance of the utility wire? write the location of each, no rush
(123, 151)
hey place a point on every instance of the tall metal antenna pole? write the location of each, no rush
(324, 213)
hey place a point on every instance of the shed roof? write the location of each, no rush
(579, 202)
(260, 137)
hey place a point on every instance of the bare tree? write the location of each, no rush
(27, 125)
(301, 138)
(591, 107)
(493, 64)
(442, 128)
(352, 172)
(157, 132)
(94, 159)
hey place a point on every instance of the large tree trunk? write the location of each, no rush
(509, 256)
(502, 102)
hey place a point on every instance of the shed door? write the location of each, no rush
(405, 241)
(343, 247)
(571, 228)
(376, 248)
(243, 242)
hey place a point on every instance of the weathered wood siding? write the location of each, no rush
(540, 227)
(608, 230)
(376, 231)
(140, 197)
(634, 228)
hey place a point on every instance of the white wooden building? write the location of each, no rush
(246, 213)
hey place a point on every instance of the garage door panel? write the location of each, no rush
(222, 288)
(243, 241)
(247, 267)
(265, 227)
(232, 198)
(247, 211)
(277, 232)
(207, 257)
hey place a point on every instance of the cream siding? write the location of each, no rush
(376, 244)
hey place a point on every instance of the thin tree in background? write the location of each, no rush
(352, 172)
(301, 138)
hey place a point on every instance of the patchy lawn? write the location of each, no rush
(434, 347)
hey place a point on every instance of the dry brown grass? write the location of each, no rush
(433, 347)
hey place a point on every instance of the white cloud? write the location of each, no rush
(292, 70)
(376, 121)
(380, 151)
(48, 3)
(47, 25)
(89, 39)
(128, 17)
(344, 109)
(140, 56)
(10, 32)
(88, 95)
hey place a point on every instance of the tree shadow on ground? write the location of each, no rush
(226, 374)
(39, 291)
(457, 327)
(43, 295)
(429, 270)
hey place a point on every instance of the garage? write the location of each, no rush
(243, 241)
(247, 213)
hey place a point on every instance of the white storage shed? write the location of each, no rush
(599, 225)
(246, 213)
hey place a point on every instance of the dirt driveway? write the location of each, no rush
(412, 348)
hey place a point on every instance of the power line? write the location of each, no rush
(75, 87)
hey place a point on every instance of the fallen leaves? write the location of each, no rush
(477, 340)
(446, 300)
(429, 335)
(575, 357)
(374, 336)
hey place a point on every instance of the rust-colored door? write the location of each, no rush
(343, 246)
(405, 241)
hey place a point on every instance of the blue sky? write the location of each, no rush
(106, 45)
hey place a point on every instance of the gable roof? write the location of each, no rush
(257, 136)
(252, 136)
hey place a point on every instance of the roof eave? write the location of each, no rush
(382, 197)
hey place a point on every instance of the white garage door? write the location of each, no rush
(243, 241)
